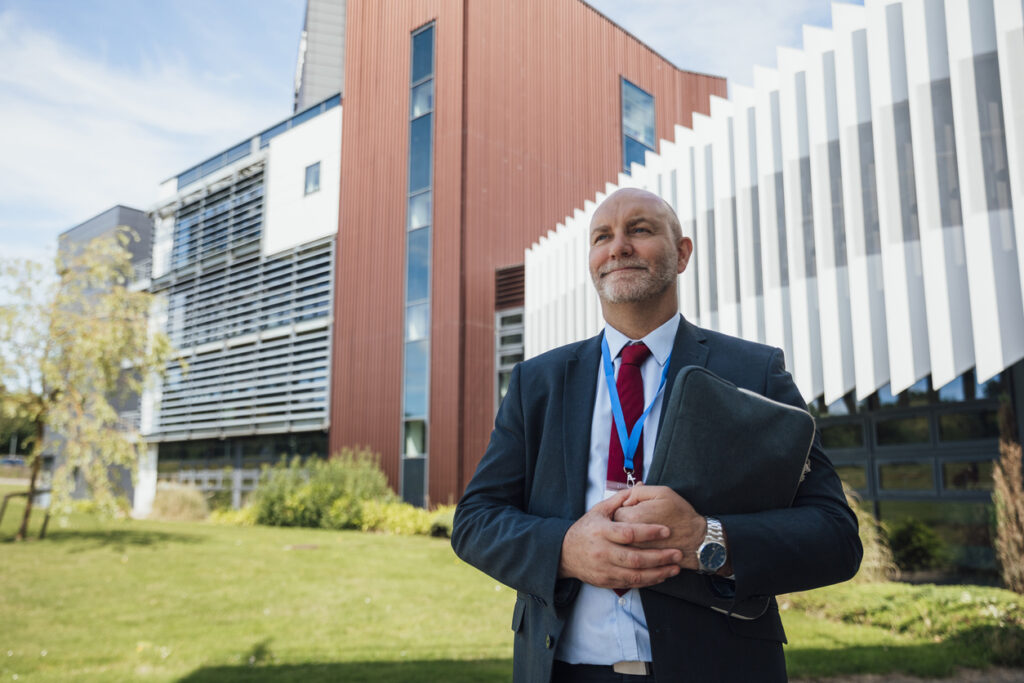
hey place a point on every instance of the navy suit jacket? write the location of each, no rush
(530, 487)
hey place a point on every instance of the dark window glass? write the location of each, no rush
(418, 275)
(905, 170)
(633, 153)
(780, 226)
(811, 263)
(313, 178)
(516, 338)
(420, 210)
(967, 426)
(712, 260)
(945, 153)
(415, 438)
(637, 124)
(848, 435)
(414, 481)
(954, 391)
(967, 476)
(854, 476)
(417, 322)
(735, 252)
(903, 430)
(965, 526)
(838, 220)
(514, 319)
(869, 191)
(423, 54)
(420, 152)
(993, 136)
(906, 476)
(755, 209)
(416, 364)
(422, 100)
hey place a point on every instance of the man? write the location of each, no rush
(547, 515)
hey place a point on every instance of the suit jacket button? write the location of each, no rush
(548, 642)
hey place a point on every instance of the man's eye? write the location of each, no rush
(598, 238)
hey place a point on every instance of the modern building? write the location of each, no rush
(470, 128)
(856, 207)
(320, 67)
(243, 259)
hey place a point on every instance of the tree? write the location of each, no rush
(70, 344)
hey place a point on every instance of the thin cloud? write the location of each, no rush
(80, 135)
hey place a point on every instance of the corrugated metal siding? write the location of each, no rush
(542, 133)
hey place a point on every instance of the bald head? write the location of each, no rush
(633, 196)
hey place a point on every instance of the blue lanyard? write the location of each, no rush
(629, 441)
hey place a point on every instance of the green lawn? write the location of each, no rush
(135, 600)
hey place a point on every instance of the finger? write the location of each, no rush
(639, 493)
(627, 534)
(607, 506)
(640, 559)
(642, 578)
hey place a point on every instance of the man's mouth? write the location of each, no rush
(620, 268)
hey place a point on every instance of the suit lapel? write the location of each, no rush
(579, 392)
(690, 348)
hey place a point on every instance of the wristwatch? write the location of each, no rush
(711, 554)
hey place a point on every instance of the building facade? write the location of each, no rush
(470, 126)
(856, 208)
(243, 259)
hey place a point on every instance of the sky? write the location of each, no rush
(102, 100)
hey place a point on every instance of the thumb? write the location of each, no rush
(608, 506)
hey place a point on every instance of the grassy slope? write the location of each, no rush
(130, 600)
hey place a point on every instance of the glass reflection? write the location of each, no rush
(417, 322)
(419, 211)
(422, 100)
(423, 54)
(415, 379)
(419, 152)
(417, 285)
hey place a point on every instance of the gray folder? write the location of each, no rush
(727, 451)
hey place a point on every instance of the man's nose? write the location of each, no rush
(621, 245)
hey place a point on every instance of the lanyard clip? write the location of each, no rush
(630, 480)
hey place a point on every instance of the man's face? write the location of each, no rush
(635, 255)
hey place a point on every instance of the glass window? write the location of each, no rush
(419, 210)
(967, 476)
(417, 286)
(422, 100)
(416, 363)
(420, 152)
(417, 322)
(854, 476)
(906, 476)
(504, 379)
(415, 438)
(849, 435)
(313, 178)
(423, 54)
(902, 430)
(637, 124)
(967, 426)
(966, 526)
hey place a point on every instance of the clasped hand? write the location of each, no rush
(637, 538)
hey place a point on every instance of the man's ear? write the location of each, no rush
(685, 249)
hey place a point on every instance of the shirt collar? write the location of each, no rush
(659, 341)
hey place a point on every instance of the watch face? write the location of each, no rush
(712, 556)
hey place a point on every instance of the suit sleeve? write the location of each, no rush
(810, 544)
(492, 530)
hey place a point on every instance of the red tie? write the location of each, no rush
(630, 384)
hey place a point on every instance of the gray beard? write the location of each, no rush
(640, 285)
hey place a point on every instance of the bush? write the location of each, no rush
(320, 493)
(1008, 496)
(395, 518)
(178, 502)
(916, 546)
(242, 517)
(441, 521)
(878, 563)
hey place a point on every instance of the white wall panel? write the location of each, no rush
(774, 259)
(860, 205)
(950, 341)
(906, 319)
(796, 177)
(703, 239)
(981, 152)
(748, 215)
(829, 226)
(724, 203)
(1009, 20)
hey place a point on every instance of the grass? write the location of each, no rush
(128, 600)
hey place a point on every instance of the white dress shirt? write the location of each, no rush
(604, 628)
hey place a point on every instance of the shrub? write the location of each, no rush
(441, 521)
(1008, 496)
(878, 563)
(178, 502)
(320, 493)
(395, 518)
(245, 516)
(916, 546)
